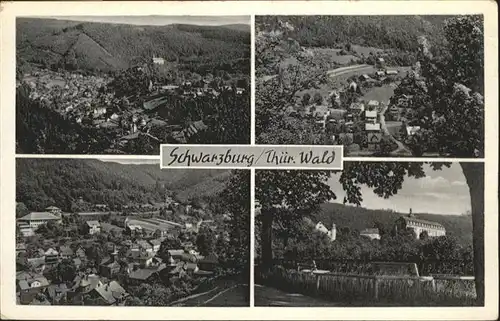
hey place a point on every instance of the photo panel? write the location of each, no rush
(107, 232)
(397, 86)
(126, 84)
(376, 234)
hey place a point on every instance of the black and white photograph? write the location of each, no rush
(398, 86)
(126, 233)
(126, 84)
(382, 234)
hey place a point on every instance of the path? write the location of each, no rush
(267, 296)
(229, 294)
(343, 70)
(402, 150)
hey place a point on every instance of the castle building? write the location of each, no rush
(433, 229)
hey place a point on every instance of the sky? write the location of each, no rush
(439, 192)
(162, 20)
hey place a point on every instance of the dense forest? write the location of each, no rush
(44, 182)
(385, 32)
(111, 47)
(359, 218)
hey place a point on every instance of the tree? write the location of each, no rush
(318, 99)
(21, 210)
(449, 96)
(305, 99)
(424, 236)
(279, 208)
(205, 242)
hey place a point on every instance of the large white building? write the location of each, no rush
(433, 229)
(35, 219)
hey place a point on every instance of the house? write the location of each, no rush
(20, 248)
(29, 286)
(109, 267)
(353, 86)
(433, 229)
(145, 246)
(332, 234)
(51, 256)
(357, 107)
(77, 263)
(391, 72)
(65, 252)
(158, 61)
(208, 263)
(147, 275)
(111, 293)
(371, 116)
(92, 227)
(36, 264)
(81, 254)
(371, 233)
(54, 210)
(35, 219)
(102, 207)
(98, 112)
(57, 293)
(146, 260)
(190, 267)
(369, 127)
(239, 91)
(176, 254)
(373, 104)
(380, 73)
(25, 230)
(380, 62)
(412, 130)
(364, 77)
(155, 243)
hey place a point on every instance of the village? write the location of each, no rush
(164, 111)
(97, 257)
(362, 114)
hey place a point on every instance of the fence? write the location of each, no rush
(425, 268)
(366, 289)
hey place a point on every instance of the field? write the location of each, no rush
(331, 54)
(381, 94)
(362, 50)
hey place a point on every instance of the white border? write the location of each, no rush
(7, 115)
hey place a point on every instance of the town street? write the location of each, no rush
(402, 149)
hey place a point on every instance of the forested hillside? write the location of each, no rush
(385, 32)
(111, 47)
(44, 182)
(358, 218)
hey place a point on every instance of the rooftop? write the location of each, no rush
(417, 220)
(93, 223)
(111, 291)
(39, 216)
(370, 231)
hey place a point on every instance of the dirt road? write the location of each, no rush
(229, 294)
(402, 150)
(267, 296)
